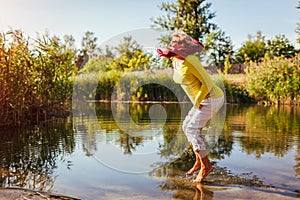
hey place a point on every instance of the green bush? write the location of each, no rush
(95, 86)
(237, 94)
(36, 77)
(148, 86)
(275, 80)
(94, 65)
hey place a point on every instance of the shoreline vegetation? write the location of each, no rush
(40, 77)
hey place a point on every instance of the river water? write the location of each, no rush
(134, 150)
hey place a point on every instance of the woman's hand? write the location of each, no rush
(199, 107)
(160, 52)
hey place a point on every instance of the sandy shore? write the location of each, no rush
(23, 194)
(203, 193)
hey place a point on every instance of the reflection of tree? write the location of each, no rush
(29, 157)
(258, 130)
(129, 143)
(268, 129)
(222, 148)
(139, 114)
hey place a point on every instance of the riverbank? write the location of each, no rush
(201, 192)
(24, 194)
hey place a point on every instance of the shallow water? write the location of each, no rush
(139, 151)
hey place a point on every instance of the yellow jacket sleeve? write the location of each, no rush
(197, 69)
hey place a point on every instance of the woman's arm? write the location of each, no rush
(197, 69)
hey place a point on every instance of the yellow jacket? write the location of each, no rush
(195, 80)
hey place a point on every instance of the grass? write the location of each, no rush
(236, 79)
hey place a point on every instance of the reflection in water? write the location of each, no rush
(202, 193)
(257, 130)
(274, 129)
(172, 173)
(297, 166)
(30, 157)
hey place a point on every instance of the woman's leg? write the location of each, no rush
(192, 126)
(206, 166)
(196, 165)
(185, 128)
(199, 149)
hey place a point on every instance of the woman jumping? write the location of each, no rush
(207, 98)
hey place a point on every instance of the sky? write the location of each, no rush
(109, 18)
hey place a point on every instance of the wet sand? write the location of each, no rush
(23, 194)
(217, 193)
(248, 193)
(202, 192)
(220, 184)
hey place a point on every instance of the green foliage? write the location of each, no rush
(95, 86)
(219, 48)
(35, 77)
(252, 50)
(148, 86)
(54, 66)
(130, 86)
(227, 65)
(275, 80)
(89, 48)
(280, 46)
(94, 65)
(298, 28)
(137, 60)
(237, 94)
(256, 48)
(130, 57)
(107, 84)
(17, 77)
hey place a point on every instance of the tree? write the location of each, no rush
(252, 50)
(89, 44)
(54, 65)
(88, 48)
(191, 16)
(194, 17)
(128, 46)
(280, 46)
(298, 28)
(130, 56)
(219, 47)
(69, 42)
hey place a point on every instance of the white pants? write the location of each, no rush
(199, 118)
